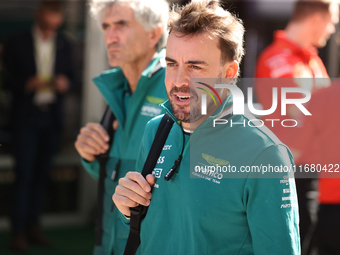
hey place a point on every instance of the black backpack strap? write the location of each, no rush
(138, 213)
(107, 123)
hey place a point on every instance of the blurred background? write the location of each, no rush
(69, 208)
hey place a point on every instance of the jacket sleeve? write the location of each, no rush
(271, 205)
(92, 168)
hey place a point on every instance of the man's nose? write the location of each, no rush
(111, 36)
(182, 78)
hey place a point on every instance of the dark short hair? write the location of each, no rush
(208, 16)
(305, 8)
(51, 5)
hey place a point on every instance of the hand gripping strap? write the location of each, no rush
(138, 213)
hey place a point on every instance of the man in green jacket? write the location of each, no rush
(232, 192)
(134, 33)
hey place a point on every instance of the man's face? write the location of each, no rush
(126, 40)
(325, 27)
(190, 56)
(50, 20)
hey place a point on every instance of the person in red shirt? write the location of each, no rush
(322, 130)
(293, 55)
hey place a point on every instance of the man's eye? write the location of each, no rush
(122, 24)
(169, 64)
(105, 26)
(195, 67)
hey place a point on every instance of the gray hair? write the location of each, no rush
(149, 13)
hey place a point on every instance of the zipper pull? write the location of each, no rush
(172, 171)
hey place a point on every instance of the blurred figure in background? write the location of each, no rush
(293, 55)
(135, 35)
(38, 72)
(321, 130)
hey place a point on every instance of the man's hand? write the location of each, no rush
(133, 190)
(91, 141)
(61, 83)
(115, 125)
(35, 83)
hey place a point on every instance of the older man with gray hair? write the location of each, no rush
(135, 35)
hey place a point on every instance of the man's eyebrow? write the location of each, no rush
(196, 62)
(191, 62)
(170, 59)
(121, 22)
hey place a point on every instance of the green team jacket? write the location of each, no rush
(132, 111)
(201, 212)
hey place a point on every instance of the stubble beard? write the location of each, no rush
(180, 112)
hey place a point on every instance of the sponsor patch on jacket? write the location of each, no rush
(214, 161)
(150, 110)
(154, 100)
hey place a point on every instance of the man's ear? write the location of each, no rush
(315, 19)
(231, 69)
(154, 36)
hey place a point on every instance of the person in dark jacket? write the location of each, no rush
(38, 71)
